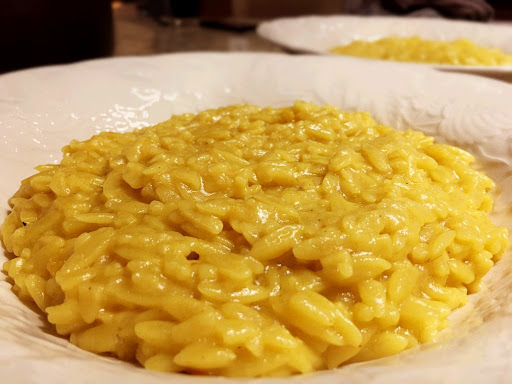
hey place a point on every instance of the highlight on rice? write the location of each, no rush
(248, 241)
(416, 49)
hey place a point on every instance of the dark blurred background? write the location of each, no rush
(41, 32)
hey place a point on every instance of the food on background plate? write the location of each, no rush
(248, 241)
(416, 49)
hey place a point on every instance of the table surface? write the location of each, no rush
(138, 34)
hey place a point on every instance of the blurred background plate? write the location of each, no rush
(43, 109)
(318, 34)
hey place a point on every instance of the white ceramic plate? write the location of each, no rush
(41, 110)
(318, 34)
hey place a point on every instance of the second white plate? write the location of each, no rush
(318, 34)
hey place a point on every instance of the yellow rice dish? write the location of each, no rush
(416, 49)
(248, 241)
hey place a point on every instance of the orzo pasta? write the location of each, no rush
(249, 241)
(416, 49)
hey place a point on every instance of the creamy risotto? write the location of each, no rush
(248, 241)
(415, 49)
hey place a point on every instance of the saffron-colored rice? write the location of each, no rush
(248, 241)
